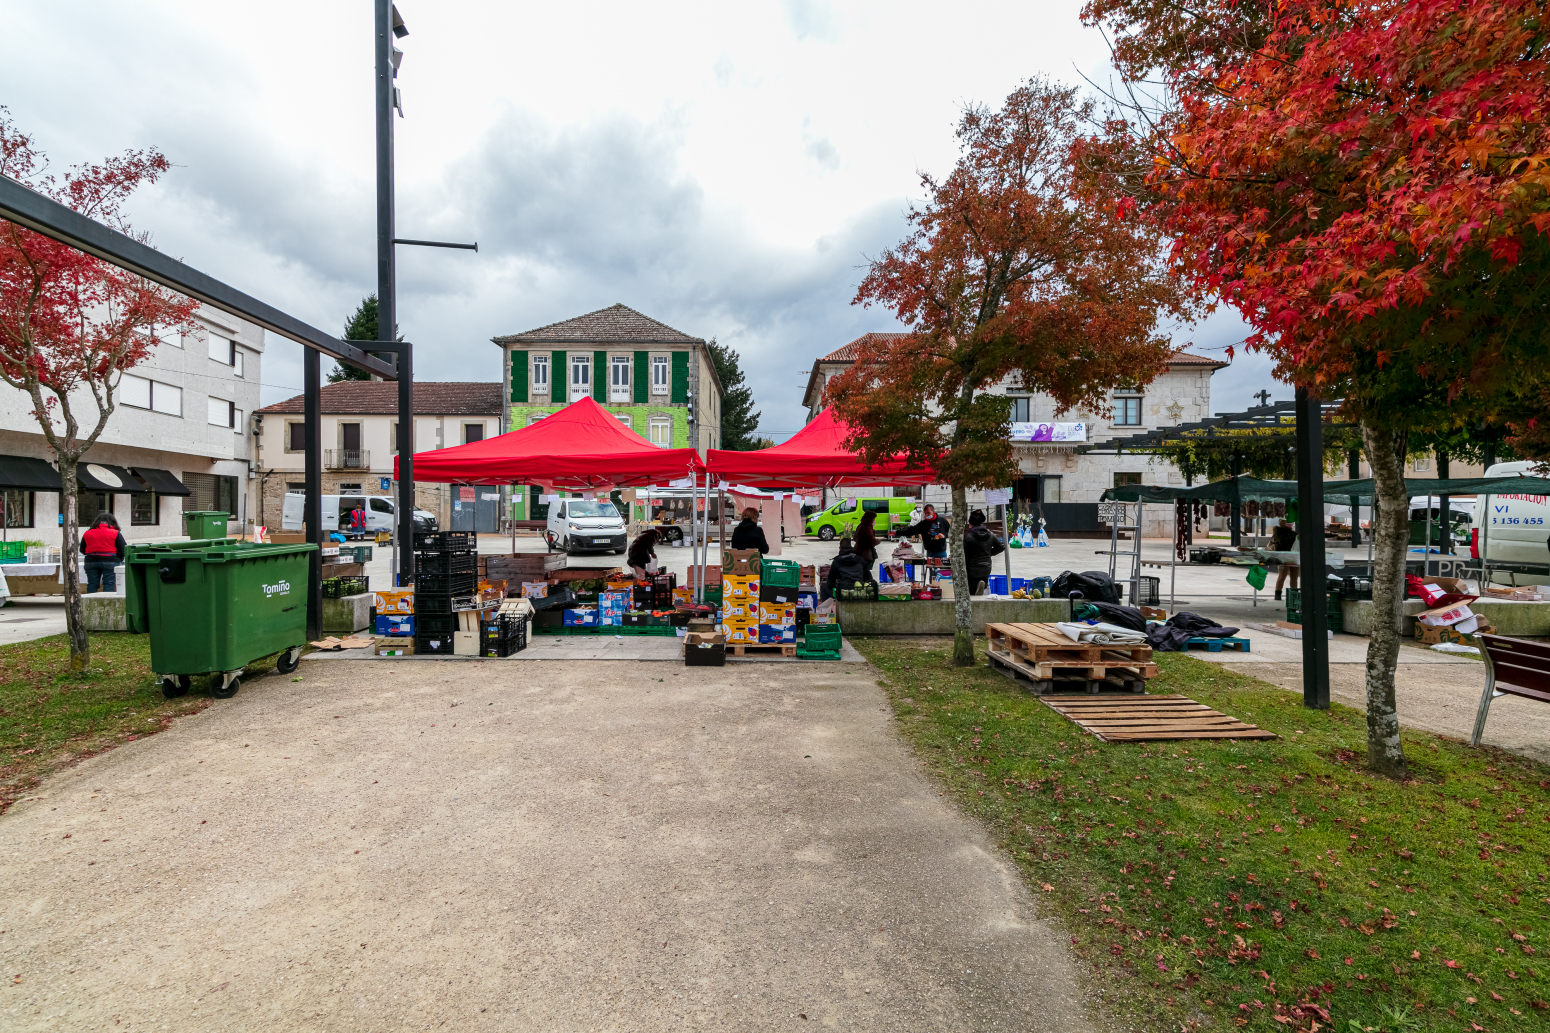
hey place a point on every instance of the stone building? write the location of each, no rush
(360, 440)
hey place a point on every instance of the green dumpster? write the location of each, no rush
(205, 523)
(215, 608)
(134, 579)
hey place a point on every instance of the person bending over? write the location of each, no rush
(847, 570)
(643, 553)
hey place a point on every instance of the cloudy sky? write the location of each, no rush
(725, 168)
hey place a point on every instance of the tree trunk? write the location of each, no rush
(1391, 539)
(963, 611)
(70, 558)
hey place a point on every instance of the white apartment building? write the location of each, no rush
(179, 438)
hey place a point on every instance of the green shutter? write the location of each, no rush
(559, 379)
(519, 377)
(600, 376)
(642, 377)
(680, 377)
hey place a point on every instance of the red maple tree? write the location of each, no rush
(1365, 182)
(71, 324)
(1016, 272)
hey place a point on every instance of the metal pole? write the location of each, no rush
(312, 509)
(1485, 543)
(1310, 543)
(1180, 508)
(1446, 507)
(1006, 553)
(1426, 545)
(1237, 505)
(1354, 471)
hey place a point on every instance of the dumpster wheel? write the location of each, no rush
(289, 661)
(175, 685)
(227, 686)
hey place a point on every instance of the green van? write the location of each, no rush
(840, 519)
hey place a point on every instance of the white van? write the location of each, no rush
(337, 509)
(1519, 527)
(587, 525)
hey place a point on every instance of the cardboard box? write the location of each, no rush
(1515, 593)
(535, 589)
(771, 635)
(701, 650)
(395, 647)
(580, 618)
(395, 625)
(778, 614)
(1443, 616)
(1440, 591)
(395, 601)
(740, 586)
(465, 643)
(1430, 635)
(739, 633)
(740, 562)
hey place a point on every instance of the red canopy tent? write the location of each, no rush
(814, 457)
(580, 448)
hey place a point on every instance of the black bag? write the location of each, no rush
(1091, 584)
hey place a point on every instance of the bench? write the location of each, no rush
(1513, 667)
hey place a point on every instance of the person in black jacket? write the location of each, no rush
(979, 545)
(847, 570)
(932, 530)
(642, 551)
(748, 534)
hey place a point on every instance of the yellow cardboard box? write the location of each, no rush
(739, 633)
(779, 614)
(394, 601)
(740, 587)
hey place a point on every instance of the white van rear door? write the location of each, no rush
(293, 515)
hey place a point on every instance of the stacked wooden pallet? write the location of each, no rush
(1048, 660)
(1143, 718)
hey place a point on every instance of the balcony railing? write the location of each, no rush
(346, 459)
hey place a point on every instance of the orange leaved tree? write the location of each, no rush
(71, 324)
(1366, 183)
(1020, 269)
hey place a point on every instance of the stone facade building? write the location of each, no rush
(360, 440)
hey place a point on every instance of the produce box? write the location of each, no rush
(741, 563)
(1464, 633)
(395, 601)
(1444, 616)
(779, 614)
(465, 643)
(581, 618)
(395, 625)
(701, 650)
(741, 587)
(1440, 591)
(771, 635)
(742, 633)
(395, 647)
(535, 589)
(1515, 593)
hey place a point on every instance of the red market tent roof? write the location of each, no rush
(815, 456)
(581, 447)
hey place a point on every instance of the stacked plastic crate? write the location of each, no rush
(779, 583)
(446, 579)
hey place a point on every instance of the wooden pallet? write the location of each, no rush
(1042, 643)
(1043, 657)
(774, 648)
(1144, 718)
(1084, 677)
(1216, 645)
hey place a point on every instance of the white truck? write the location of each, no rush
(338, 513)
(587, 525)
(1518, 528)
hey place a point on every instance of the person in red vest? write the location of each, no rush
(103, 545)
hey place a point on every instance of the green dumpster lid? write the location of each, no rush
(221, 552)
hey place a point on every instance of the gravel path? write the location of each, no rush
(577, 846)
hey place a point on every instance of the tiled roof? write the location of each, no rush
(617, 323)
(848, 352)
(1186, 359)
(380, 398)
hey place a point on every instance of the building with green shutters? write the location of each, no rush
(658, 381)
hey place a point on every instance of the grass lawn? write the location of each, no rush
(1269, 885)
(50, 718)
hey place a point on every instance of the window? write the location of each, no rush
(166, 399)
(236, 359)
(237, 425)
(534, 417)
(1050, 490)
(140, 393)
(473, 432)
(540, 374)
(215, 492)
(580, 376)
(1020, 408)
(1422, 465)
(223, 349)
(1126, 478)
(393, 438)
(624, 418)
(349, 489)
(296, 487)
(661, 431)
(847, 506)
(874, 505)
(88, 504)
(295, 437)
(170, 337)
(1127, 413)
(661, 375)
(144, 509)
(380, 506)
(222, 412)
(619, 378)
(18, 508)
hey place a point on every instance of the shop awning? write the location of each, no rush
(580, 448)
(1339, 491)
(160, 481)
(1232, 489)
(814, 457)
(115, 480)
(24, 473)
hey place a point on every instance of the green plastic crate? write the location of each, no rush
(781, 574)
(822, 636)
(11, 552)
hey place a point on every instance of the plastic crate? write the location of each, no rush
(446, 563)
(1294, 600)
(424, 603)
(1355, 588)
(444, 541)
(339, 587)
(780, 573)
(435, 624)
(445, 584)
(13, 552)
(822, 636)
(1149, 593)
(433, 645)
(502, 637)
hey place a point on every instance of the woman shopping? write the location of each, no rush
(103, 545)
(643, 554)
